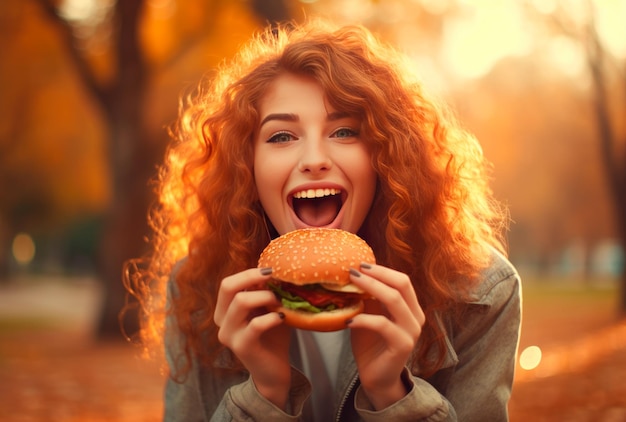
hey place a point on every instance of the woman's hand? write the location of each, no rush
(254, 335)
(384, 336)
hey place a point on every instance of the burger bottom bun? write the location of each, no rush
(323, 321)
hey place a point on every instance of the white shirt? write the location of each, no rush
(320, 360)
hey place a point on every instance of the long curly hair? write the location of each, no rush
(433, 216)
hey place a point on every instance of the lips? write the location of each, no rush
(317, 207)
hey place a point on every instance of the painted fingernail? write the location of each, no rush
(281, 315)
(266, 271)
(355, 272)
(366, 266)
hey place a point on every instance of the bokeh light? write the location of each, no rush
(23, 248)
(530, 358)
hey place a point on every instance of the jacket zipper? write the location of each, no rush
(342, 405)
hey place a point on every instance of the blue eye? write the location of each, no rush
(281, 137)
(344, 132)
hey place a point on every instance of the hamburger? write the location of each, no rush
(311, 276)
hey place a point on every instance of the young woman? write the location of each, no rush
(337, 113)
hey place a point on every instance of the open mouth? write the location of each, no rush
(317, 207)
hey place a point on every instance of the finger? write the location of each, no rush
(230, 286)
(398, 281)
(393, 301)
(245, 306)
(242, 341)
(395, 279)
(264, 323)
(396, 338)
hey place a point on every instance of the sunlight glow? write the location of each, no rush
(79, 10)
(530, 358)
(85, 11)
(544, 6)
(436, 7)
(610, 15)
(23, 248)
(578, 355)
(477, 34)
(567, 55)
(476, 41)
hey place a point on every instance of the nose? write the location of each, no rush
(315, 157)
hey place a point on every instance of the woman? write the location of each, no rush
(337, 113)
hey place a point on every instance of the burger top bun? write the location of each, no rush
(317, 255)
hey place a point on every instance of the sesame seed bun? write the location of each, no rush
(319, 256)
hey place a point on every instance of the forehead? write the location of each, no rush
(293, 91)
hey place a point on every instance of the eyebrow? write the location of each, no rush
(285, 117)
(289, 117)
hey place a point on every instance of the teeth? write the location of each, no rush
(316, 193)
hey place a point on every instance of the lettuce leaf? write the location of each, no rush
(300, 305)
(292, 301)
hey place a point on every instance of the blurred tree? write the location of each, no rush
(120, 100)
(531, 114)
(537, 129)
(48, 133)
(109, 75)
(126, 50)
(612, 144)
(608, 85)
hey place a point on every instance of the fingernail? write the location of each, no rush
(349, 321)
(365, 265)
(266, 271)
(355, 272)
(281, 315)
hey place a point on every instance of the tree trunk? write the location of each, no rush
(132, 159)
(125, 226)
(615, 166)
(123, 239)
(621, 217)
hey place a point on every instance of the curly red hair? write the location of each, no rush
(433, 217)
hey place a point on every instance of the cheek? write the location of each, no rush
(367, 185)
(261, 178)
(268, 177)
(361, 171)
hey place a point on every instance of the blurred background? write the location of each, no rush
(88, 89)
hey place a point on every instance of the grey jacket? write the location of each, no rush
(474, 383)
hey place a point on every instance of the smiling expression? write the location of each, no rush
(310, 165)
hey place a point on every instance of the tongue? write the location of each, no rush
(316, 212)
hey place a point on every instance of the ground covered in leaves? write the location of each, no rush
(51, 369)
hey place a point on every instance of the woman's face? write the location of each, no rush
(310, 165)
